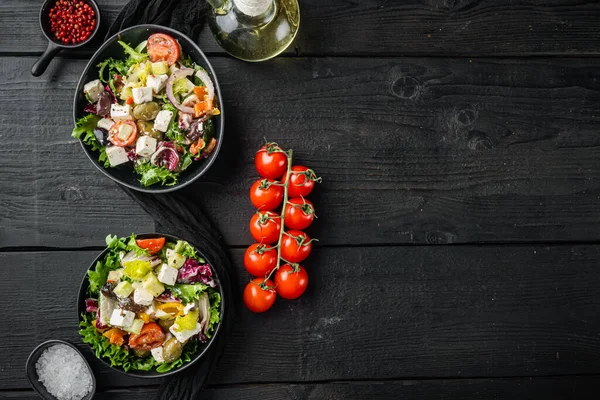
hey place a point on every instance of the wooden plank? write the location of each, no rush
(570, 387)
(51, 194)
(368, 314)
(411, 150)
(375, 27)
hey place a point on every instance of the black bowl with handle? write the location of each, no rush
(124, 174)
(204, 348)
(54, 44)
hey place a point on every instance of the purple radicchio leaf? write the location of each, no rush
(113, 98)
(193, 272)
(132, 155)
(99, 325)
(91, 305)
(166, 156)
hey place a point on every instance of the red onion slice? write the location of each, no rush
(210, 88)
(182, 73)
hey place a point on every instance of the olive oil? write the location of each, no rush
(254, 30)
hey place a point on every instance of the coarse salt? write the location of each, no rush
(64, 373)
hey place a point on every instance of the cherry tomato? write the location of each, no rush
(265, 227)
(299, 213)
(271, 161)
(302, 181)
(295, 246)
(152, 245)
(115, 131)
(150, 336)
(259, 295)
(162, 47)
(291, 282)
(260, 260)
(266, 194)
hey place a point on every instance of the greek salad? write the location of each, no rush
(152, 111)
(151, 304)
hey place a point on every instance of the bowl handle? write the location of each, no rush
(40, 65)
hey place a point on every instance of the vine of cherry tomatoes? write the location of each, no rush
(278, 251)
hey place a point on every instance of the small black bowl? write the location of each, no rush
(204, 347)
(55, 45)
(124, 174)
(34, 379)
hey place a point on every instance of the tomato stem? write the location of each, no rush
(282, 216)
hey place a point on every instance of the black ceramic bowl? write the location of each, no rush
(124, 174)
(34, 379)
(203, 348)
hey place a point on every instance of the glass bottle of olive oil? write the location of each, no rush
(254, 30)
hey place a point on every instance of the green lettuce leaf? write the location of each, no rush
(188, 293)
(97, 276)
(114, 67)
(84, 130)
(214, 298)
(134, 56)
(152, 174)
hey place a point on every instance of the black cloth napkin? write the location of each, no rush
(174, 213)
(187, 16)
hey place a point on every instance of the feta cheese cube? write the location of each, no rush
(167, 275)
(142, 95)
(157, 82)
(93, 90)
(119, 113)
(162, 121)
(158, 354)
(105, 123)
(121, 318)
(184, 336)
(145, 146)
(142, 297)
(116, 155)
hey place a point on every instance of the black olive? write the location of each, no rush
(103, 104)
(101, 135)
(107, 290)
(196, 131)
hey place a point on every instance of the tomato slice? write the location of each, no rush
(118, 130)
(150, 336)
(152, 245)
(162, 47)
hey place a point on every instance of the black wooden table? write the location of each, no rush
(459, 216)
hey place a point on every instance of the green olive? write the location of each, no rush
(146, 111)
(141, 353)
(166, 323)
(147, 128)
(172, 350)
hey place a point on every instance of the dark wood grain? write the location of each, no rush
(404, 312)
(380, 27)
(556, 388)
(411, 150)
(51, 194)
